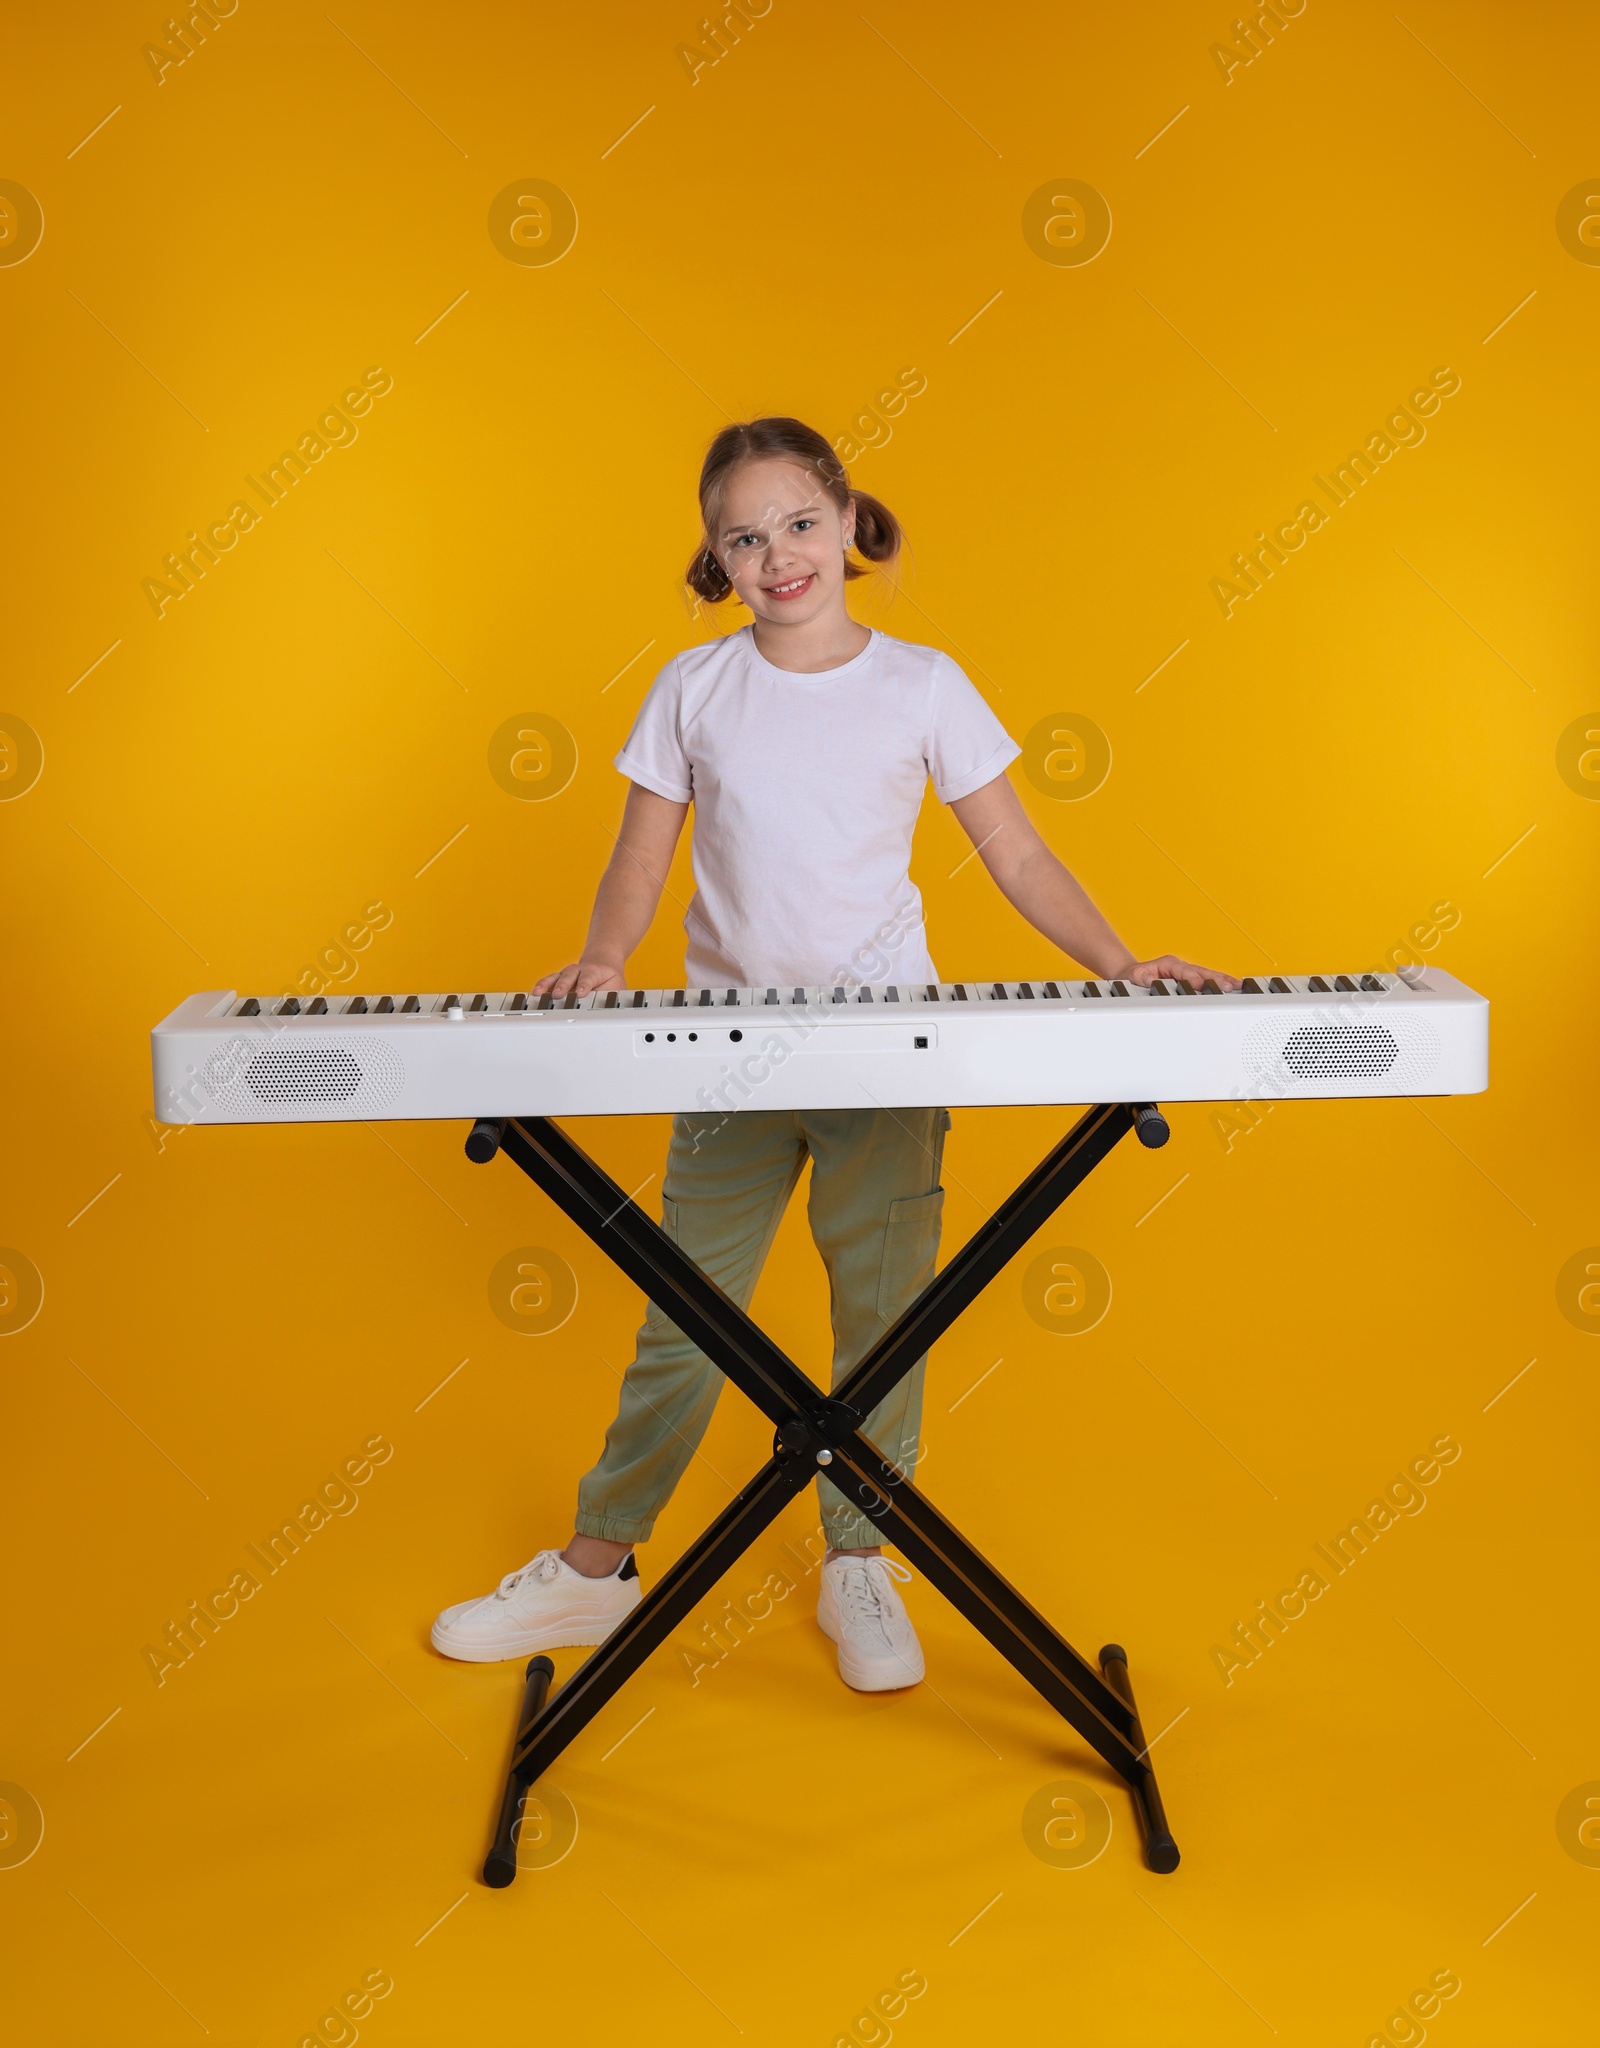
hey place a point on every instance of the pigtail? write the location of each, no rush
(879, 536)
(707, 578)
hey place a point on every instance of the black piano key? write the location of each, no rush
(933, 991)
(800, 995)
(289, 1007)
(731, 997)
(1024, 990)
(891, 994)
(638, 999)
(384, 1006)
(356, 1007)
(479, 1003)
(1091, 988)
(1000, 995)
(1278, 986)
(519, 1001)
(451, 1003)
(838, 994)
(410, 1007)
(772, 995)
(612, 999)
(864, 994)
(249, 1007)
(1209, 988)
(1318, 985)
(1052, 989)
(1250, 986)
(1182, 988)
(1344, 983)
(961, 992)
(679, 998)
(705, 998)
(1159, 988)
(572, 1002)
(319, 1008)
(547, 1002)
(1119, 988)
(1372, 984)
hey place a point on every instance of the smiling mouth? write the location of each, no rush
(784, 591)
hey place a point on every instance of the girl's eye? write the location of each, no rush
(750, 537)
(799, 525)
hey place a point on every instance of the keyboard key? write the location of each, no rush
(249, 1007)
(1091, 988)
(1052, 991)
(319, 1008)
(1372, 985)
(385, 1006)
(1119, 988)
(1278, 986)
(1318, 985)
(1159, 988)
(518, 1002)
(1250, 986)
(479, 1003)
(1343, 981)
(411, 1007)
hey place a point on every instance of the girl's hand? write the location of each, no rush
(1170, 968)
(582, 978)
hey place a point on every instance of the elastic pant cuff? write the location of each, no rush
(612, 1528)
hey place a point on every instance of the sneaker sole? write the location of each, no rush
(876, 1678)
(558, 1636)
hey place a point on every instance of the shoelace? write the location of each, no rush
(861, 1598)
(546, 1565)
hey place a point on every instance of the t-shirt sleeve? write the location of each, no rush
(967, 744)
(653, 754)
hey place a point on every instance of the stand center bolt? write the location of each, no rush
(824, 1457)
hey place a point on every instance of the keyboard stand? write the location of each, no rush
(818, 1430)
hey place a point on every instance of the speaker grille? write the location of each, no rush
(1347, 1049)
(356, 1075)
(304, 1074)
(1400, 1053)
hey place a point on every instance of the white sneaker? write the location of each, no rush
(544, 1606)
(859, 1608)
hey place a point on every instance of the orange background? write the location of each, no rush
(836, 200)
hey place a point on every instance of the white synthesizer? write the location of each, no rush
(225, 1059)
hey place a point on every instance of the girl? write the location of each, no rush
(804, 742)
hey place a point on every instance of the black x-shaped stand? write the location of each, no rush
(822, 1431)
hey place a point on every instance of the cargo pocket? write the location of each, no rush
(653, 1318)
(910, 1249)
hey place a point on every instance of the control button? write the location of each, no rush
(649, 1038)
(921, 1044)
(735, 1037)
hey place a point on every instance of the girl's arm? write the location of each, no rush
(1033, 881)
(626, 899)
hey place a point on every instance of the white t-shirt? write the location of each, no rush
(806, 789)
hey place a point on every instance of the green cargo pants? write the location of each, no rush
(874, 1210)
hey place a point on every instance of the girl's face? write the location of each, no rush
(782, 540)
